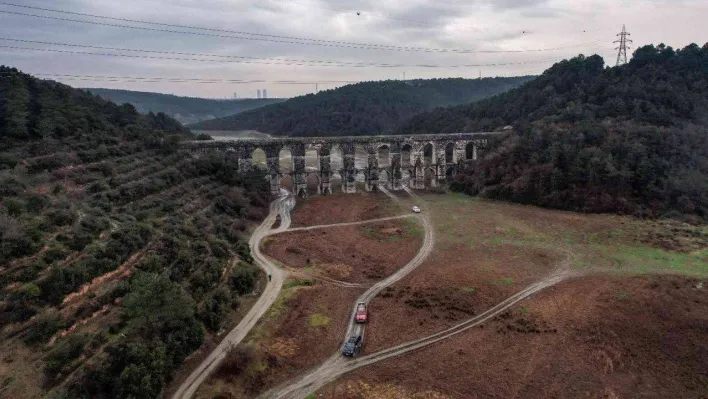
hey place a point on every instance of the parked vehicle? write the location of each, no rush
(353, 345)
(362, 313)
(416, 209)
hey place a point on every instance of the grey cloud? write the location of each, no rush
(477, 24)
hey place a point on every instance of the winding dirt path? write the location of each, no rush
(282, 206)
(337, 365)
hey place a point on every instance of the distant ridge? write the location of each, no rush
(363, 108)
(184, 109)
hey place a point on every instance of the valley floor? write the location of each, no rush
(629, 322)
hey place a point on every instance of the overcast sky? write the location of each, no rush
(334, 31)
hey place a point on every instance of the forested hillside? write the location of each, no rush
(363, 108)
(119, 256)
(629, 139)
(184, 109)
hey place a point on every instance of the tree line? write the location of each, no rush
(628, 139)
(363, 108)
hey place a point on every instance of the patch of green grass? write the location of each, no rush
(641, 259)
(621, 295)
(298, 283)
(470, 290)
(318, 320)
(311, 396)
(507, 280)
(568, 239)
(523, 310)
(411, 226)
(496, 240)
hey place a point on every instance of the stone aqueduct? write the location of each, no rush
(436, 156)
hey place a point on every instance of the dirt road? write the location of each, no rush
(337, 365)
(282, 206)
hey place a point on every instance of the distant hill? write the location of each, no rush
(362, 108)
(629, 139)
(185, 109)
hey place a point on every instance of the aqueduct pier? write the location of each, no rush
(413, 159)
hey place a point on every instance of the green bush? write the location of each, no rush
(11, 187)
(14, 206)
(243, 279)
(61, 217)
(54, 254)
(7, 161)
(64, 352)
(42, 329)
(214, 309)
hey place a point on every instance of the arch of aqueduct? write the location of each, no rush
(435, 157)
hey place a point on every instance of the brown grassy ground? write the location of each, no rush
(342, 208)
(307, 326)
(486, 251)
(592, 337)
(300, 331)
(610, 334)
(362, 254)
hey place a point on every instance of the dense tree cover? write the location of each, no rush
(630, 139)
(184, 109)
(33, 109)
(363, 108)
(117, 256)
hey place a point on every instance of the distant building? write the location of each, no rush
(259, 93)
(265, 93)
(235, 96)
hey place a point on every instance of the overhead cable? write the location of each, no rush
(244, 59)
(289, 40)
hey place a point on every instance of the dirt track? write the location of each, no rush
(281, 207)
(337, 365)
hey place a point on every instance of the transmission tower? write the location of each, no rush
(622, 49)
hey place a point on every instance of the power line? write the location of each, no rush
(276, 38)
(157, 79)
(244, 59)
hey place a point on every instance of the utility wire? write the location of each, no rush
(285, 39)
(244, 59)
(157, 79)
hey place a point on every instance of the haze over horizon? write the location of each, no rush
(275, 29)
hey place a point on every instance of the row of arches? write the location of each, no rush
(314, 181)
(286, 165)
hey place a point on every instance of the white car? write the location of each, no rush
(416, 209)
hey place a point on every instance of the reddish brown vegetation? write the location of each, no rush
(362, 253)
(342, 208)
(595, 337)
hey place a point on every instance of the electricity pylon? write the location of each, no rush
(623, 41)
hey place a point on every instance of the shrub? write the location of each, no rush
(61, 217)
(36, 202)
(7, 161)
(243, 279)
(42, 329)
(54, 254)
(65, 351)
(14, 206)
(11, 187)
(214, 309)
